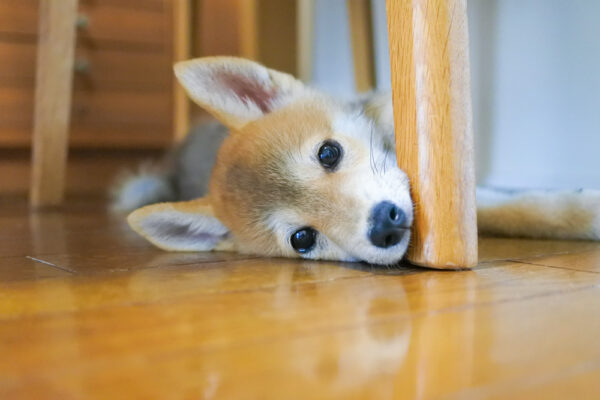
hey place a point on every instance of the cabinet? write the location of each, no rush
(122, 93)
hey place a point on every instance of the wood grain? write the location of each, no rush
(494, 249)
(96, 312)
(54, 79)
(109, 69)
(123, 98)
(268, 33)
(182, 50)
(99, 118)
(277, 32)
(210, 37)
(248, 28)
(141, 24)
(305, 15)
(90, 172)
(361, 38)
(20, 268)
(432, 114)
(582, 261)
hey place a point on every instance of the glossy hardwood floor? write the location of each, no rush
(89, 310)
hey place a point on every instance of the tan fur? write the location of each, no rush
(267, 181)
(253, 157)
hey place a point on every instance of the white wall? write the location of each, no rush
(332, 64)
(536, 85)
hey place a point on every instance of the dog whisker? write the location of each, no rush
(372, 161)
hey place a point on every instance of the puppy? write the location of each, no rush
(300, 174)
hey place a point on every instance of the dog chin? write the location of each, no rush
(391, 256)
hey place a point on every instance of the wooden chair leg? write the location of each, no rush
(54, 79)
(432, 115)
(305, 20)
(361, 37)
(268, 33)
(248, 11)
(182, 50)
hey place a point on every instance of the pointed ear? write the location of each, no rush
(237, 91)
(181, 226)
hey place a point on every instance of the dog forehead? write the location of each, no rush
(270, 163)
(253, 170)
(353, 123)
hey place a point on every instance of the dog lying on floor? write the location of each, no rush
(300, 174)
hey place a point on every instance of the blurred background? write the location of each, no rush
(535, 68)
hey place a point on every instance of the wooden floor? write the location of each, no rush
(88, 310)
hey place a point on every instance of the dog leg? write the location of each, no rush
(539, 213)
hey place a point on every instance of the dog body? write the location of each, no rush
(300, 174)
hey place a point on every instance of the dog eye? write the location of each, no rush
(303, 240)
(330, 154)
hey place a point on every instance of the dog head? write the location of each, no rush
(301, 174)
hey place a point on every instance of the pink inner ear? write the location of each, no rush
(249, 90)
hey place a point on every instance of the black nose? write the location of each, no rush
(387, 224)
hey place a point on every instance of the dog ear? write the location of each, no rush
(181, 226)
(379, 108)
(237, 91)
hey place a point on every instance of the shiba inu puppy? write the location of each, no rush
(300, 174)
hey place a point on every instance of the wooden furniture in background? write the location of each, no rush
(268, 33)
(124, 101)
(305, 17)
(209, 18)
(54, 78)
(123, 92)
(182, 50)
(361, 38)
(249, 44)
(432, 115)
(122, 97)
(122, 85)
